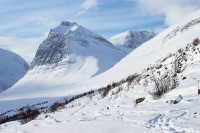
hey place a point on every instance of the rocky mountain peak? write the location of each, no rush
(67, 23)
(132, 39)
(65, 39)
(52, 50)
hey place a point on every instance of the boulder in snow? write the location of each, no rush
(178, 99)
(139, 100)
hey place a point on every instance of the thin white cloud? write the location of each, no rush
(172, 10)
(25, 47)
(87, 5)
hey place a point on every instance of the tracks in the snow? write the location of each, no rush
(170, 122)
(161, 121)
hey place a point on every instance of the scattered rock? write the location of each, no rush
(170, 101)
(178, 99)
(139, 100)
(184, 78)
(46, 116)
(107, 108)
(175, 102)
(198, 91)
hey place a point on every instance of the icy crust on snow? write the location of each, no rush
(132, 39)
(12, 68)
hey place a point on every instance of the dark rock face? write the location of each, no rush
(66, 23)
(51, 51)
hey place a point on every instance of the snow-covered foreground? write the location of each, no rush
(119, 114)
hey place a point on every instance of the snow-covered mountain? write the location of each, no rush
(169, 41)
(172, 58)
(12, 68)
(70, 54)
(68, 42)
(43, 78)
(131, 39)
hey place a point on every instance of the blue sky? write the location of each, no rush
(25, 23)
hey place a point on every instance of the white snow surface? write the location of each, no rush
(118, 111)
(12, 68)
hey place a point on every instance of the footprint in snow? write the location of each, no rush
(87, 119)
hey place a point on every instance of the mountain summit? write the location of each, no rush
(132, 39)
(67, 39)
(70, 54)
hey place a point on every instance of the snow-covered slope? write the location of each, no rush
(119, 112)
(168, 41)
(12, 68)
(131, 39)
(70, 54)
